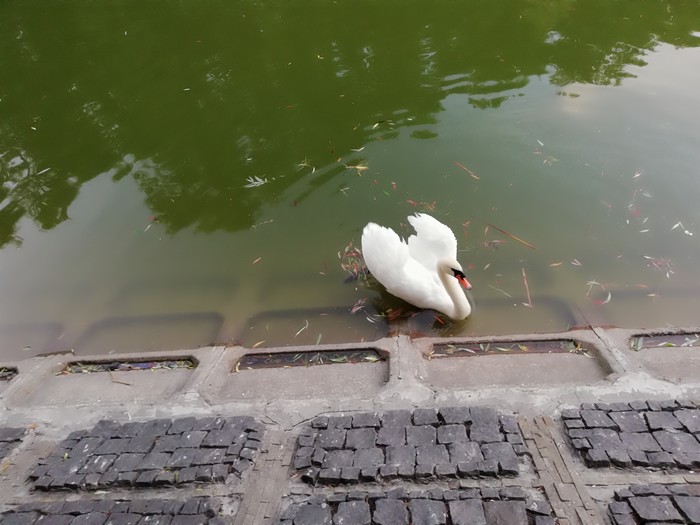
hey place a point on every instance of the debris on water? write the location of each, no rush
(79, 367)
(515, 347)
(660, 264)
(254, 182)
(306, 359)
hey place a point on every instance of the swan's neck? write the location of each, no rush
(460, 305)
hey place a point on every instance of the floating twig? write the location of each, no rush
(527, 288)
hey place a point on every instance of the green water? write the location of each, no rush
(129, 130)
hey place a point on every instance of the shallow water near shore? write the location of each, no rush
(176, 175)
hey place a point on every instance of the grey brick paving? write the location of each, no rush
(422, 507)
(650, 434)
(203, 510)
(424, 444)
(161, 452)
(655, 504)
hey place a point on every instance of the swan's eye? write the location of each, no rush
(459, 275)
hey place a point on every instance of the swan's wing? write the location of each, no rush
(433, 241)
(389, 261)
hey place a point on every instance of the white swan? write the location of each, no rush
(424, 271)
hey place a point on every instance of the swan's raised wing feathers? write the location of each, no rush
(433, 241)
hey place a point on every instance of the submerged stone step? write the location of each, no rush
(161, 452)
(423, 444)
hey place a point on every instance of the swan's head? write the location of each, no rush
(454, 269)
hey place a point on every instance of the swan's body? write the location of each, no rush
(423, 271)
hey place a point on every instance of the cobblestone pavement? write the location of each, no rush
(454, 465)
(645, 434)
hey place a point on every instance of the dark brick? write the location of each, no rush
(210, 456)
(320, 422)
(655, 508)
(146, 478)
(391, 436)
(446, 470)
(629, 421)
(639, 441)
(401, 455)
(425, 416)
(396, 418)
(485, 433)
(113, 446)
(662, 421)
(677, 442)
(369, 474)
(510, 512)
(420, 435)
(182, 457)
(660, 460)
(690, 419)
(140, 444)
(338, 458)
(368, 457)
(350, 474)
(690, 506)
(427, 512)
(219, 438)
(390, 512)
(331, 438)
(467, 512)
(209, 423)
(365, 419)
(597, 419)
(167, 443)
(342, 421)
(451, 434)
(155, 460)
(361, 438)
(329, 475)
(488, 467)
(455, 415)
(192, 439)
(596, 458)
(432, 455)
(619, 457)
(389, 472)
(461, 452)
(204, 474)
(355, 512)
(468, 469)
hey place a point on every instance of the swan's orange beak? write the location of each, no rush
(462, 279)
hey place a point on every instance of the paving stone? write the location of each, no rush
(690, 419)
(353, 513)
(182, 457)
(662, 421)
(677, 442)
(571, 413)
(655, 508)
(168, 443)
(505, 513)
(639, 441)
(396, 418)
(427, 512)
(605, 439)
(366, 419)
(350, 474)
(661, 459)
(331, 438)
(313, 515)
(401, 455)
(390, 512)
(451, 434)
(338, 458)
(420, 435)
(113, 446)
(341, 421)
(192, 439)
(464, 452)
(369, 457)
(689, 506)
(446, 470)
(361, 438)
(425, 416)
(597, 419)
(629, 421)
(485, 433)
(391, 436)
(432, 455)
(455, 415)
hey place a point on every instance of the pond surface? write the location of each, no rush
(174, 174)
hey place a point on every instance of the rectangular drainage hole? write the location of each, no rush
(7, 373)
(127, 365)
(555, 346)
(641, 342)
(306, 359)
